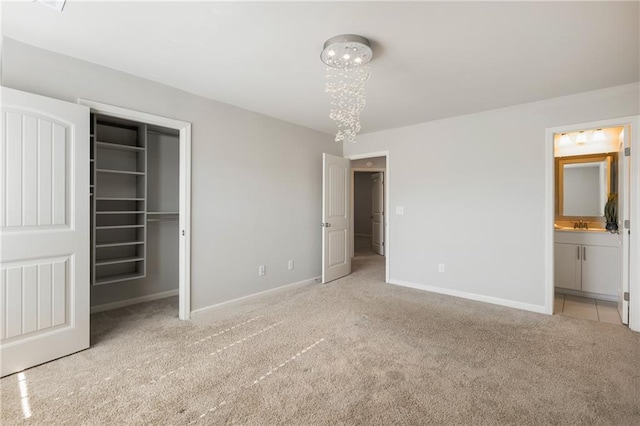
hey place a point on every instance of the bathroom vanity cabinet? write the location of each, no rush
(588, 261)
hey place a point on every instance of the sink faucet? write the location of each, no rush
(580, 225)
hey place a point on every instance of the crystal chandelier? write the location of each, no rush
(347, 72)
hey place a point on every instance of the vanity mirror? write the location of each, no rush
(583, 184)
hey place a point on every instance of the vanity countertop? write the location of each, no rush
(596, 236)
(567, 229)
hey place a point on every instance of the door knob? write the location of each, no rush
(325, 224)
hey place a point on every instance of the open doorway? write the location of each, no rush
(369, 204)
(591, 277)
(368, 213)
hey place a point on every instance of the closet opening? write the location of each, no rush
(140, 192)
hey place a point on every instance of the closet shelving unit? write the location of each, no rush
(119, 197)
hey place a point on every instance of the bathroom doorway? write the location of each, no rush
(589, 272)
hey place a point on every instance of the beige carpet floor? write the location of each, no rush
(355, 351)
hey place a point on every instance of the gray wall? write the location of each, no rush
(256, 181)
(473, 192)
(362, 203)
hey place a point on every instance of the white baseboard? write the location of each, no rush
(308, 281)
(579, 293)
(471, 296)
(134, 301)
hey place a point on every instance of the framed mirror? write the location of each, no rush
(583, 183)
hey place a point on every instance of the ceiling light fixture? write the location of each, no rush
(347, 56)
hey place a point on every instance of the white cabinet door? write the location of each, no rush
(336, 256)
(377, 213)
(44, 219)
(600, 269)
(567, 271)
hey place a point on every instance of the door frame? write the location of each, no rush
(184, 274)
(387, 192)
(634, 243)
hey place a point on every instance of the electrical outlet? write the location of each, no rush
(290, 265)
(262, 270)
(440, 267)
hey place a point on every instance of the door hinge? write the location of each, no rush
(627, 224)
(626, 296)
(627, 151)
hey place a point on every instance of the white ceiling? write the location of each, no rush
(431, 60)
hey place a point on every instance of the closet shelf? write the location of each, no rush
(119, 244)
(119, 227)
(118, 147)
(119, 260)
(122, 172)
(117, 278)
(167, 213)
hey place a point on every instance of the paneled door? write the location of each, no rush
(44, 219)
(336, 221)
(377, 213)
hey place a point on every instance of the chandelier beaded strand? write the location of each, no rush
(347, 72)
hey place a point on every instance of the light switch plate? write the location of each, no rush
(399, 210)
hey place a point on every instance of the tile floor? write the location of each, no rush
(586, 308)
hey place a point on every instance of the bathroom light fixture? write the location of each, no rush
(581, 138)
(598, 136)
(565, 139)
(347, 57)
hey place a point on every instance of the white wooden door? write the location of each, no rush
(624, 213)
(336, 223)
(44, 218)
(377, 213)
(567, 266)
